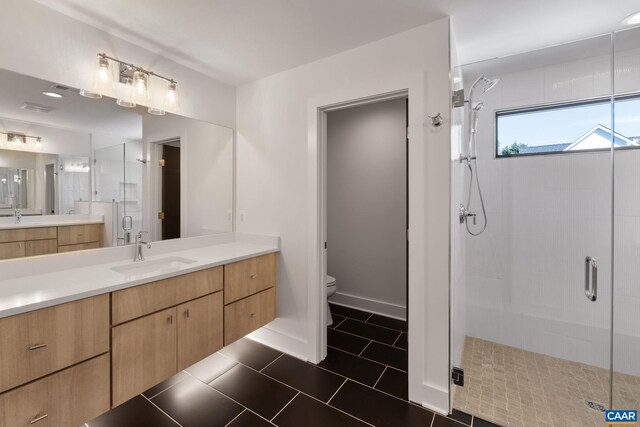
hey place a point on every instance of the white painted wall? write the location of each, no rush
(40, 42)
(277, 181)
(206, 184)
(525, 275)
(366, 206)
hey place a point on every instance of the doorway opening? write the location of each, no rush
(168, 189)
(364, 217)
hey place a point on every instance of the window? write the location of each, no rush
(568, 127)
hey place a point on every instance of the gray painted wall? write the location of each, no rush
(366, 206)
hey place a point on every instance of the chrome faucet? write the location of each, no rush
(139, 242)
(17, 215)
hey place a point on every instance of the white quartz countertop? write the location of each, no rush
(35, 291)
(49, 221)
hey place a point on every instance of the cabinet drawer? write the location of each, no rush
(65, 399)
(12, 250)
(247, 277)
(74, 234)
(138, 301)
(78, 247)
(22, 234)
(43, 341)
(143, 354)
(247, 315)
(41, 247)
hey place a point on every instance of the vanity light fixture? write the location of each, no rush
(139, 84)
(21, 139)
(633, 19)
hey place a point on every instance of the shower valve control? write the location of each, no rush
(463, 214)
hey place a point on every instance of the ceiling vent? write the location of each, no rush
(60, 87)
(36, 107)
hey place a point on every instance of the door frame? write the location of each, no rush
(155, 187)
(318, 251)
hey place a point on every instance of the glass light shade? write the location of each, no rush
(127, 100)
(89, 94)
(38, 142)
(140, 93)
(171, 100)
(103, 78)
(156, 111)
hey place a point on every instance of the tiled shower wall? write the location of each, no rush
(524, 282)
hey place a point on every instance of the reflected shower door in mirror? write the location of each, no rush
(532, 293)
(69, 158)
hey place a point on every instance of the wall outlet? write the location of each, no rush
(229, 215)
(243, 216)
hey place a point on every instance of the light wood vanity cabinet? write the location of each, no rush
(67, 398)
(12, 250)
(41, 247)
(148, 348)
(249, 295)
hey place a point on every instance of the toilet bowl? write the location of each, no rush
(331, 289)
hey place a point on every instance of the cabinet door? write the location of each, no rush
(143, 354)
(12, 250)
(244, 278)
(199, 329)
(42, 247)
(67, 398)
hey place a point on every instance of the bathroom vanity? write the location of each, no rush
(94, 336)
(49, 237)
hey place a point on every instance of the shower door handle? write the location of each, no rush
(591, 278)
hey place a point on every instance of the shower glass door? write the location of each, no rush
(532, 294)
(626, 319)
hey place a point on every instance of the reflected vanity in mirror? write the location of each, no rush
(90, 173)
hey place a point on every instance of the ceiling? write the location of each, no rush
(237, 41)
(73, 112)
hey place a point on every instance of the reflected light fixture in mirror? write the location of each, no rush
(21, 139)
(171, 97)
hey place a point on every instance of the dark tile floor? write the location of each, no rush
(362, 382)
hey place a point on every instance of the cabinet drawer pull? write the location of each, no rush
(37, 346)
(187, 313)
(170, 319)
(40, 418)
(253, 276)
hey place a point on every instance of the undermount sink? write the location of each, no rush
(152, 267)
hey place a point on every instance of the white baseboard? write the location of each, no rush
(438, 399)
(370, 305)
(282, 342)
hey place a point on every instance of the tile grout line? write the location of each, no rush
(284, 407)
(394, 343)
(337, 390)
(385, 370)
(234, 418)
(365, 347)
(236, 402)
(270, 363)
(375, 324)
(370, 360)
(339, 323)
(365, 338)
(160, 409)
(370, 316)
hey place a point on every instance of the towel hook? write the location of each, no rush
(436, 121)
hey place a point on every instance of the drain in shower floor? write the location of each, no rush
(595, 406)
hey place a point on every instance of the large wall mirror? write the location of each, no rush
(65, 156)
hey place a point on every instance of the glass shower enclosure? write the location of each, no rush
(118, 180)
(546, 300)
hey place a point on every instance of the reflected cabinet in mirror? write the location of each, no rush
(90, 173)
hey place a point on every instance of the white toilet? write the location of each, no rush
(331, 289)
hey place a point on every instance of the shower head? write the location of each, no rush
(488, 83)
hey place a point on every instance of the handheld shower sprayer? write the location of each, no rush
(474, 110)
